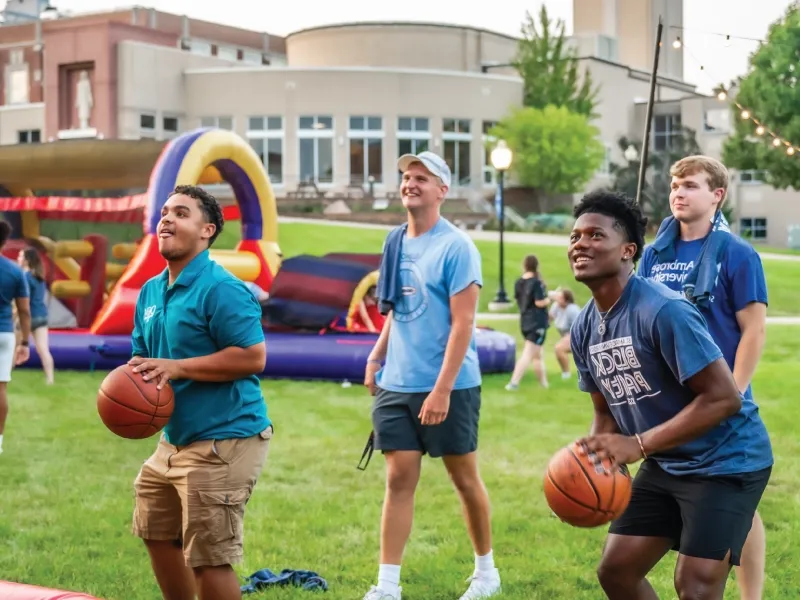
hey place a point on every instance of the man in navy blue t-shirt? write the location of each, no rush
(13, 292)
(734, 306)
(663, 392)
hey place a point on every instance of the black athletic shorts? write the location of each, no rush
(395, 421)
(536, 335)
(705, 516)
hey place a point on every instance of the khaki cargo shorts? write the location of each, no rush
(197, 494)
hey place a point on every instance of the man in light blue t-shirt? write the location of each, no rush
(735, 308)
(663, 392)
(428, 392)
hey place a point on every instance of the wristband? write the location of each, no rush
(25, 343)
(641, 446)
(370, 360)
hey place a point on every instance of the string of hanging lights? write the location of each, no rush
(760, 128)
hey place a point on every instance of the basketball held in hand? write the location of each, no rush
(584, 494)
(131, 407)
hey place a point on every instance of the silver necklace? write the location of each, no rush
(601, 328)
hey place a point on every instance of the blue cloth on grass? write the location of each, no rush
(389, 291)
(702, 279)
(260, 580)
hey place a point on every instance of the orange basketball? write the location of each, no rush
(132, 407)
(582, 494)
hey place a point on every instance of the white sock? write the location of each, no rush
(389, 579)
(485, 563)
(1, 442)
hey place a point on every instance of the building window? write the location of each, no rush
(717, 120)
(227, 53)
(413, 135)
(315, 140)
(752, 176)
(218, 122)
(171, 127)
(366, 149)
(201, 48)
(666, 128)
(753, 229)
(265, 134)
(457, 142)
(29, 136)
(605, 166)
(487, 143)
(252, 57)
(147, 126)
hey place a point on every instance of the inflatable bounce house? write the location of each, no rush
(313, 307)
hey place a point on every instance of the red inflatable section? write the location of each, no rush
(93, 271)
(19, 591)
(116, 317)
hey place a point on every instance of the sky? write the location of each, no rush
(706, 22)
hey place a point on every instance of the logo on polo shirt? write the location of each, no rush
(149, 312)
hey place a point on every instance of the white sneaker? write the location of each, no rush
(482, 585)
(375, 593)
(512, 387)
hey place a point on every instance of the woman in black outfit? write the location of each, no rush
(530, 293)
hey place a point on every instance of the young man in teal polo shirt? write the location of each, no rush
(198, 328)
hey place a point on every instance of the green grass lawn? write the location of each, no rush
(67, 492)
(783, 277)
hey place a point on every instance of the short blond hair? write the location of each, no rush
(716, 172)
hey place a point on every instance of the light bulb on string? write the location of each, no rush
(759, 130)
(745, 114)
(776, 142)
(677, 43)
(722, 95)
(790, 150)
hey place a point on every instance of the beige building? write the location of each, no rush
(332, 107)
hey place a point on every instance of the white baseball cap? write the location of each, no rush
(433, 162)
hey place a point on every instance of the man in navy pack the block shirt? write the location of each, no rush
(663, 392)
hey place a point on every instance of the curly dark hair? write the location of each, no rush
(208, 204)
(5, 232)
(627, 214)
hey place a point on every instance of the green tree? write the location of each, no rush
(771, 94)
(549, 68)
(556, 151)
(657, 180)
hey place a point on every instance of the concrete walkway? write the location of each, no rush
(514, 237)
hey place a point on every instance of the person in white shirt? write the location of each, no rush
(563, 313)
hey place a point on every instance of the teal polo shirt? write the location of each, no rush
(206, 310)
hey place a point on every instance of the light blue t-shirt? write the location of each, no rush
(205, 310)
(13, 285)
(655, 341)
(433, 267)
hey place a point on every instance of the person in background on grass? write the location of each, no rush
(13, 291)
(368, 317)
(428, 392)
(563, 314)
(530, 293)
(31, 264)
(692, 243)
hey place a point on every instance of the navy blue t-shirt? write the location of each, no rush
(38, 290)
(740, 281)
(655, 341)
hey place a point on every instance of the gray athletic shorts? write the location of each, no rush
(395, 420)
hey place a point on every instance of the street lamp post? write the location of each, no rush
(501, 160)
